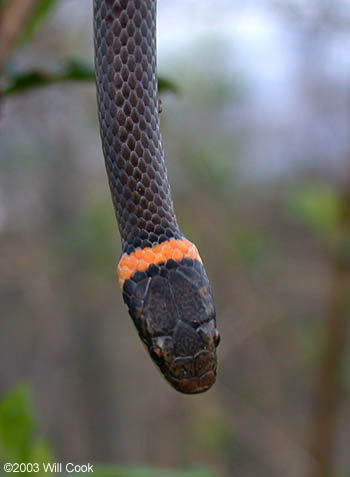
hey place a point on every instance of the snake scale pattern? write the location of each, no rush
(161, 275)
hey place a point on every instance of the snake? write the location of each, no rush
(161, 274)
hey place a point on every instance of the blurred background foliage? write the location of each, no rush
(255, 125)
(19, 444)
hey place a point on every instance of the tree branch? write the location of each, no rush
(328, 389)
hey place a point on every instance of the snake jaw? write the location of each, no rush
(187, 374)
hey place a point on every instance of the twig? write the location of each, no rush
(327, 388)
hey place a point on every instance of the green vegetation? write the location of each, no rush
(19, 442)
(71, 70)
(147, 472)
(317, 206)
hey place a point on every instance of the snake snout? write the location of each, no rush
(186, 361)
(194, 375)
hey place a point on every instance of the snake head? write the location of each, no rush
(173, 310)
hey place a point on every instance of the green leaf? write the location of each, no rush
(77, 69)
(41, 452)
(17, 425)
(18, 442)
(24, 81)
(166, 84)
(72, 70)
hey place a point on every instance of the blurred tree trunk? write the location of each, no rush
(13, 16)
(328, 392)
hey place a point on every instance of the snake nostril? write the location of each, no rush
(216, 337)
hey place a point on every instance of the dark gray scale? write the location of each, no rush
(125, 44)
(171, 304)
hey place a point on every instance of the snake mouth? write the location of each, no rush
(194, 385)
(191, 374)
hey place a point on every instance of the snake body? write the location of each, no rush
(161, 275)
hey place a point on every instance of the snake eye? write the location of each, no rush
(216, 337)
(195, 323)
(156, 353)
